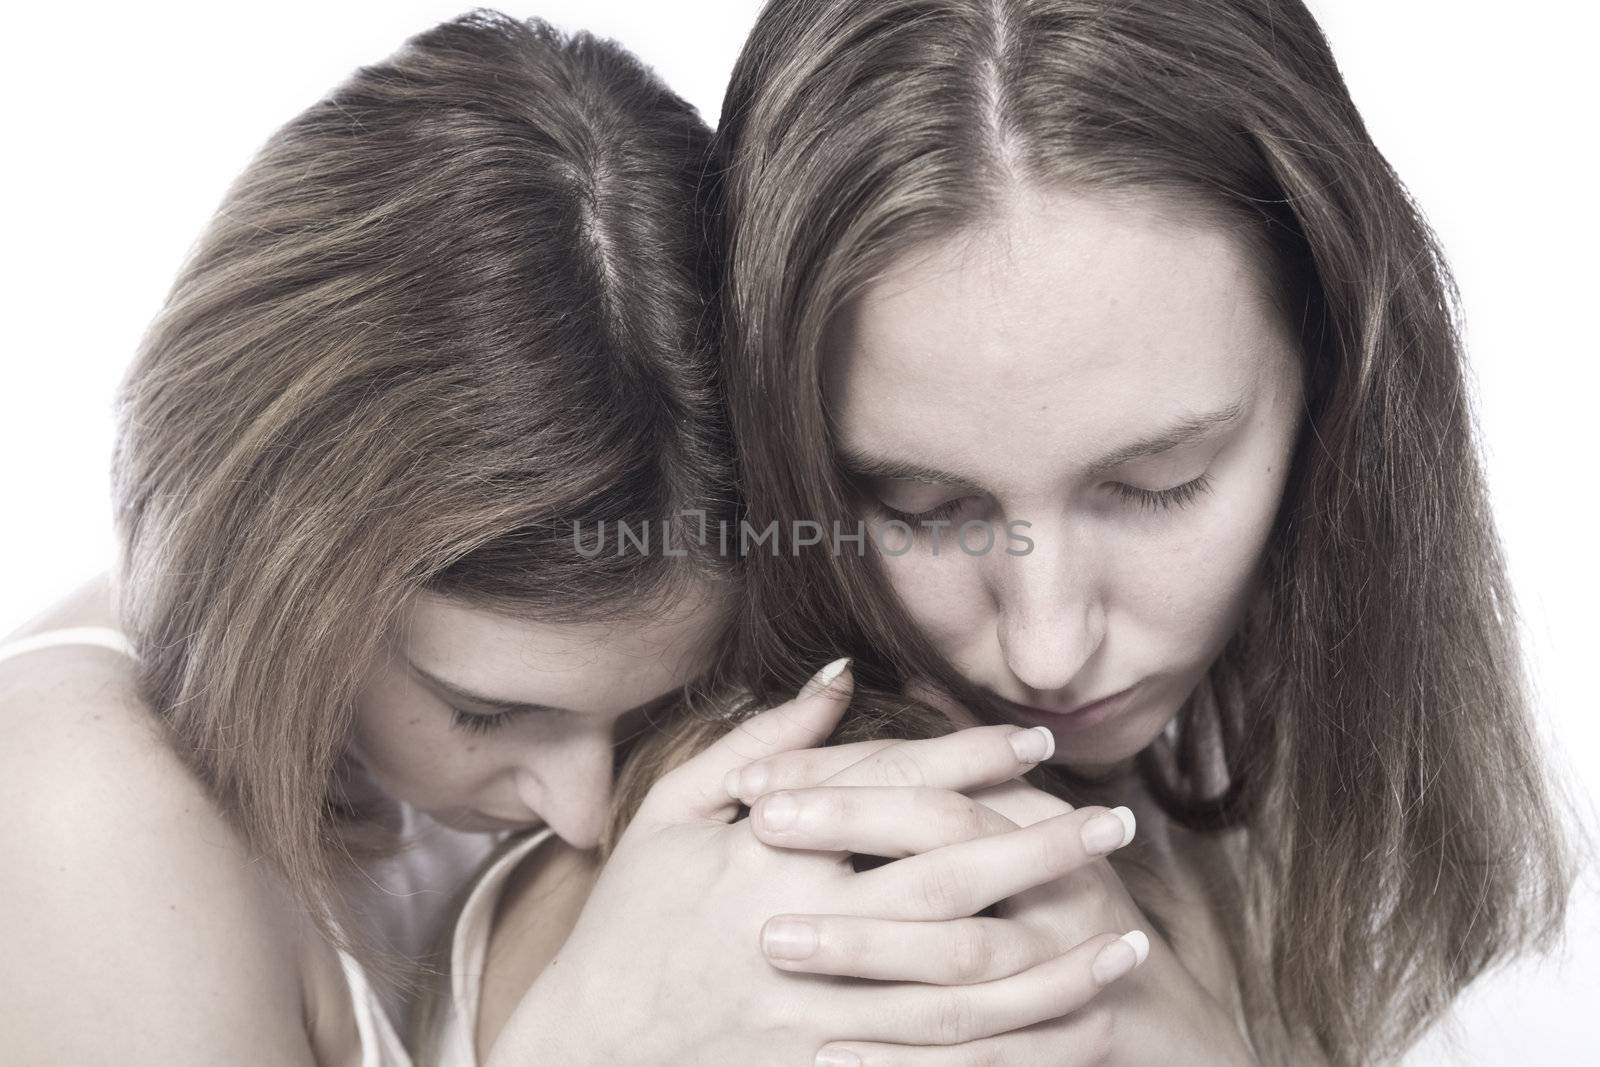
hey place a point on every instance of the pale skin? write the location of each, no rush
(1082, 326)
(666, 932)
(201, 956)
(93, 971)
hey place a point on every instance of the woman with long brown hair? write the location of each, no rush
(451, 314)
(1134, 275)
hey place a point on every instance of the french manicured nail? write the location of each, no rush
(1033, 745)
(789, 939)
(824, 678)
(1120, 957)
(779, 811)
(1108, 831)
(837, 1057)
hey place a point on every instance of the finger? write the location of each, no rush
(965, 760)
(798, 770)
(958, 952)
(1079, 1039)
(955, 1015)
(873, 821)
(1021, 802)
(695, 790)
(963, 879)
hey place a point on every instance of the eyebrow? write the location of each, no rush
(456, 695)
(1185, 431)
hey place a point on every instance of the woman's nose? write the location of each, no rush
(1051, 614)
(573, 779)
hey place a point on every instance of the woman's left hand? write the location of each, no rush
(1158, 1011)
(1160, 1008)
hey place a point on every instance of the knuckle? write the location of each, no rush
(972, 953)
(896, 766)
(1050, 849)
(943, 890)
(958, 818)
(793, 770)
(952, 1020)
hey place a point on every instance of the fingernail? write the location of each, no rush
(1120, 957)
(744, 783)
(789, 939)
(752, 780)
(824, 678)
(837, 1057)
(1140, 943)
(779, 811)
(1108, 831)
(1034, 745)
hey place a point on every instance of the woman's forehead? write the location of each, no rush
(565, 664)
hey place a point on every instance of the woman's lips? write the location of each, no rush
(1083, 716)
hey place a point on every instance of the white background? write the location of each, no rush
(124, 124)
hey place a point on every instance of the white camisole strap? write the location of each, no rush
(469, 947)
(102, 636)
(380, 1045)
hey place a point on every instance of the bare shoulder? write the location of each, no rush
(138, 927)
(538, 908)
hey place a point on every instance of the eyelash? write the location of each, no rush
(912, 518)
(480, 724)
(1155, 499)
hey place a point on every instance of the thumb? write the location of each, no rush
(695, 790)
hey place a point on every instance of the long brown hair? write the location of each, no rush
(1366, 734)
(448, 310)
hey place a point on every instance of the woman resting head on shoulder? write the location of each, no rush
(1128, 348)
(448, 311)
(445, 336)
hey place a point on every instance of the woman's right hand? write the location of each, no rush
(668, 963)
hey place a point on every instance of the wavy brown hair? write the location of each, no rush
(1364, 745)
(448, 310)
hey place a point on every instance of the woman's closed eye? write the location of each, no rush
(484, 722)
(1177, 496)
(1161, 499)
(946, 510)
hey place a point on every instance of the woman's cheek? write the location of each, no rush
(1179, 580)
(944, 595)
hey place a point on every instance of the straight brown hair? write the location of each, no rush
(449, 310)
(1364, 746)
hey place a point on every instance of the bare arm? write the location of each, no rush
(136, 927)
